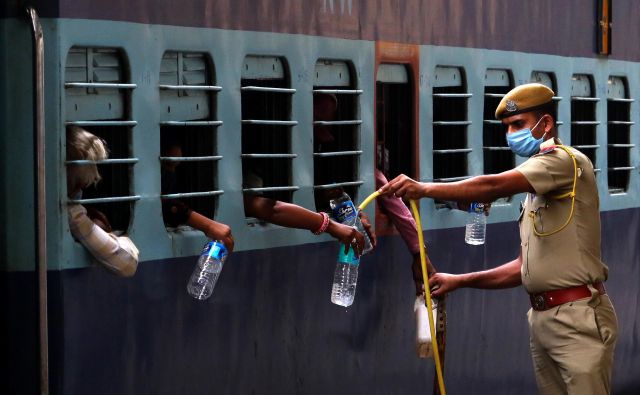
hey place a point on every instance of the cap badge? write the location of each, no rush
(511, 106)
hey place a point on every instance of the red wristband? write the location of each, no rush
(324, 225)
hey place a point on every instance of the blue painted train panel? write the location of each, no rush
(270, 328)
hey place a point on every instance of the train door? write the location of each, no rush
(396, 115)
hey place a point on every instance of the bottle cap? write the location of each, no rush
(215, 249)
(476, 207)
(348, 258)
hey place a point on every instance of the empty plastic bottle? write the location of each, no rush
(207, 271)
(476, 224)
(345, 278)
(344, 211)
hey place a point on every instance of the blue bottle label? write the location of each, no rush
(476, 207)
(215, 250)
(348, 258)
(344, 212)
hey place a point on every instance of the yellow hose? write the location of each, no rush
(427, 294)
(425, 279)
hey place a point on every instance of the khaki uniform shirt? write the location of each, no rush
(570, 257)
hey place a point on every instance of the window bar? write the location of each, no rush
(585, 122)
(339, 184)
(585, 98)
(267, 89)
(112, 199)
(99, 85)
(498, 148)
(192, 194)
(496, 95)
(102, 123)
(212, 88)
(492, 122)
(191, 123)
(452, 151)
(271, 189)
(453, 95)
(625, 168)
(620, 122)
(620, 99)
(269, 122)
(336, 153)
(621, 145)
(336, 123)
(190, 158)
(452, 123)
(586, 146)
(338, 91)
(267, 156)
(102, 162)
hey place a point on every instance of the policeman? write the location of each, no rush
(573, 326)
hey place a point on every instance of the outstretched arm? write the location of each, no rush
(505, 276)
(294, 216)
(213, 229)
(477, 189)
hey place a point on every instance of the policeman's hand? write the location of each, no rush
(347, 235)
(222, 232)
(443, 283)
(404, 187)
(366, 224)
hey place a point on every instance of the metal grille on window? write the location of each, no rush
(266, 128)
(618, 135)
(188, 154)
(450, 124)
(336, 132)
(497, 154)
(549, 80)
(583, 116)
(97, 99)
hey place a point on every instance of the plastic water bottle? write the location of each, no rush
(476, 224)
(207, 270)
(345, 278)
(344, 211)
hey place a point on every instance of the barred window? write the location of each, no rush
(266, 128)
(336, 131)
(498, 157)
(549, 80)
(450, 123)
(618, 134)
(583, 116)
(188, 153)
(394, 117)
(97, 98)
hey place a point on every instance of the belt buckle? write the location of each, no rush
(538, 302)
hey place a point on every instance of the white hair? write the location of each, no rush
(82, 145)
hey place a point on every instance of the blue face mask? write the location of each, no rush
(522, 142)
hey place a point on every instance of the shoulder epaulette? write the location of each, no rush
(546, 150)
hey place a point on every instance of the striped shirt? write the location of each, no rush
(117, 253)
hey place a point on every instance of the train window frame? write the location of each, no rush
(497, 155)
(188, 103)
(619, 102)
(450, 86)
(267, 78)
(337, 78)
(111, 114)
(549, 80)
(584, 117)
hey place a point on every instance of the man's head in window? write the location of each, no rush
(82, 145)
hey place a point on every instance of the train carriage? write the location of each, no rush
(416, 84)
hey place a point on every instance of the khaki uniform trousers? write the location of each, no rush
(572, 346)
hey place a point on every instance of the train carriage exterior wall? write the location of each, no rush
(269, 327)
